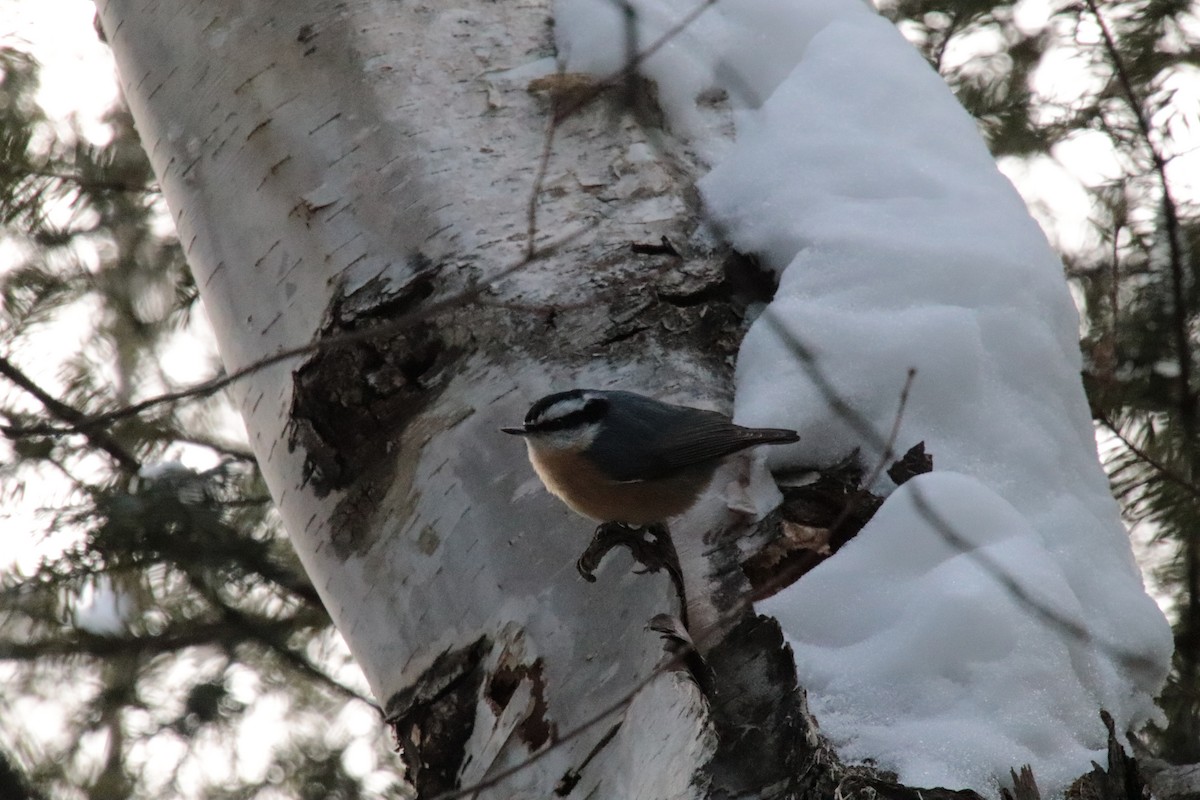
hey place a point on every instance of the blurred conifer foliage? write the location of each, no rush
(154, 609)
(162, 605)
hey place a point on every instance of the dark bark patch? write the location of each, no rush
(686, 297)
(742, 282)
(352, 401)
(535, 730)
(622, 334)
(913, 463)
(817, 518)
(1121, 781)
(768, 744)
(433, 718)
(749, 281)
(662, 248)
(351, 525)
(866, 787)
(692, 301)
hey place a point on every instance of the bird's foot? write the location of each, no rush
(607, 536)
(650, 546)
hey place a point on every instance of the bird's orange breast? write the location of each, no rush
(574, 480)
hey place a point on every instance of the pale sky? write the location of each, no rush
(77, 68)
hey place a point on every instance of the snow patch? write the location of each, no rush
(857, 176)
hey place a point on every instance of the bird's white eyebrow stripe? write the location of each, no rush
(562, 408)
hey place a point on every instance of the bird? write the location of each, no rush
(621, 457)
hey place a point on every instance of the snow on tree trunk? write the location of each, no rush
(334, 166)
(901, 250)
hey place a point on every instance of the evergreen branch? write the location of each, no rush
(99, 438)
(254, 631)
(1187, 406)
(300, 663)
(9, 173)
(190, 633)
(276, 644)
(1146, 458)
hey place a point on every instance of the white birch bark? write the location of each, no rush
(330, 165)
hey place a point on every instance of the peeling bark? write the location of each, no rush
(434, 717)
(817, 517)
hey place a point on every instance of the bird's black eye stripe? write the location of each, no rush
(593, 410)
(540, 407)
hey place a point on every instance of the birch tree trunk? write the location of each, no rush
(331, 167)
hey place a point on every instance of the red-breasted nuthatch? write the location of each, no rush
(622, 457)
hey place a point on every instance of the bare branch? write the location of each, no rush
(100, 438)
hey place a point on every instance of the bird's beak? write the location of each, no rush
(515, 431)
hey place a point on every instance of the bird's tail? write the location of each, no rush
(770, 435)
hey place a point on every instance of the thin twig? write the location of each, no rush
(816, 374)
(100, 438)
(213, 385)
(300, 663)
(538, 179)
(889, 452)
(588, 97)
(626, 73)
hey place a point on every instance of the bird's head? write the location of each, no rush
(565, 420)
